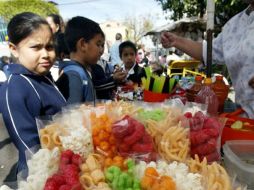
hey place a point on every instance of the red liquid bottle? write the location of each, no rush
(194, 90)
(221, 90)
(207, 96)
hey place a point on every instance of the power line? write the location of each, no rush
(77, 2)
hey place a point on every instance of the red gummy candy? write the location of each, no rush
(142, 148)
(73, 181)
(136, 135)
(204, 149)
(59, 179)
(212, 123)
(76, 159)
(51, 184)
(67, 154)
(198, 137)
(188, 115)
(70, 170)
(65, 187)
(211, 132)
(215, 156)
(122, 128)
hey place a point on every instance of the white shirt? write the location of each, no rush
(131, 71)
(235, 47)
(114, 54)
(2, 76)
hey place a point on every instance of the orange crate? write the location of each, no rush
(234, 134)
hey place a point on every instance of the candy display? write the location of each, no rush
(103, 139)
(152, 181)
(121, 180)
(204, 135)
(132, 138)
(127, 146)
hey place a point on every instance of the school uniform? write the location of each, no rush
(135, 73)
(75, 83)
(24, 97)
(103, 84)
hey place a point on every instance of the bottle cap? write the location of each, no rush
(208, 81)
(219, 77)
(199, 78)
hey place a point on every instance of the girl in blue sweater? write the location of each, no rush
(30, 91)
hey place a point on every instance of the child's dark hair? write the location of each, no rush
(80, 27)
(127, 44)
(60, 46)
(22, 25)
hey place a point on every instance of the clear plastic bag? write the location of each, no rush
(205, 136)
(133, 140)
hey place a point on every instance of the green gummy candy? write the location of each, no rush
(136, 184)
(129, 181)
(122, 180)
(115, 183)
(115, 170)
(109, 176)
(130, 163)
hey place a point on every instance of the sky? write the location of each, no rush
(103, 10)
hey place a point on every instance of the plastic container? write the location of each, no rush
(239, 160)
(193, 91)
(221, 90)
(150, 96)
(207, 96)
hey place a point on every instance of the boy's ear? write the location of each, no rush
(82, 45)
(13, 50)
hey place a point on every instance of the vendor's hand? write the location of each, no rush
(251, 82)
(119, 76)
(168, 39)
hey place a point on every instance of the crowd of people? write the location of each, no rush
(37, 44)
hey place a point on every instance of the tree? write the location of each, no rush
(9, 8)
(225, 9)
(136, 27)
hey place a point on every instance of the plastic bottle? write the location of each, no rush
(221, 91)
(193, 91)
(207, 96)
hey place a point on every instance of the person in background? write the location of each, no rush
(56, 23)
(233, 46)
(156, 68)
(114, 51)
(30, 91)
(62, 52)
(128, 52)
(140, 55)
(4, 67)
(145, 61)
(105, 82)
(85, 41)
(172, 56)
(105, 85)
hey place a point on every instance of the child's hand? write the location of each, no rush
(119, 76)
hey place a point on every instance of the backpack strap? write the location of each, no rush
(89, 95)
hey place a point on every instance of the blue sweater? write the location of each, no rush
(23, 97)
(75, 83)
